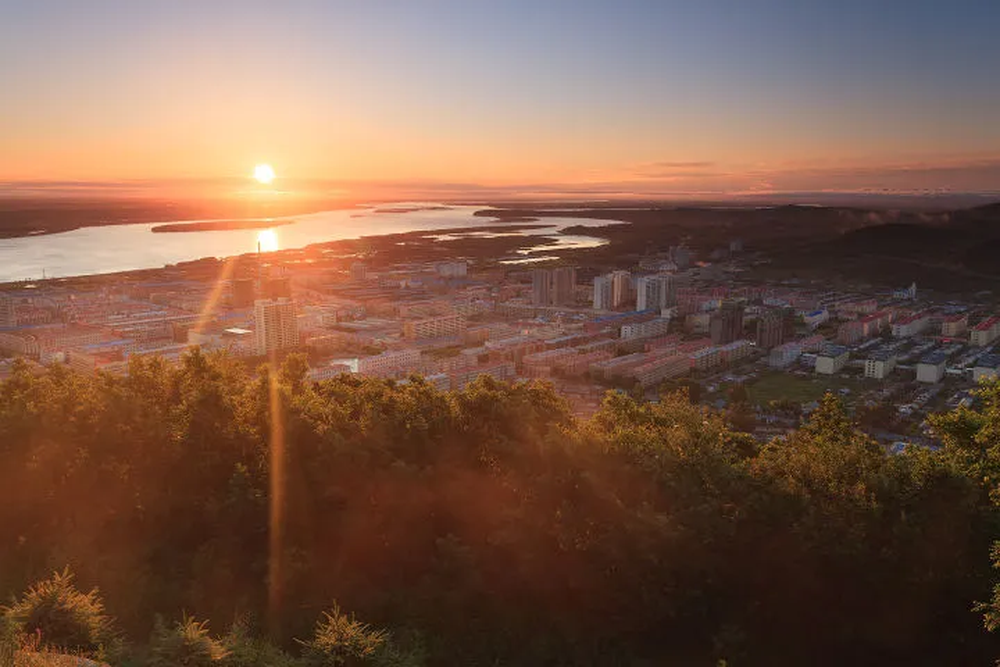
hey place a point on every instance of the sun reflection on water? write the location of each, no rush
(267, 239)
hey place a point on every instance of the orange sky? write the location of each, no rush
(639, 97)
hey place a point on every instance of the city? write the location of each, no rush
(674, 321)
(451, 333)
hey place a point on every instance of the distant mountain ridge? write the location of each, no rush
(949, 249)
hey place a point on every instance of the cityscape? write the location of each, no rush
(674, 320)
(453, 333)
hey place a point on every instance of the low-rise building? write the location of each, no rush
(953, 326)
(850, 332)
(735, 351)
(503, 371)
(618, 366)
(931, 368)
(876, 322)
(329, 372)
(662, 368)
(657, 327)
(434, 327)
(785, 355)
(93, 361)
(390, 364)
(985, 332)
(815, 318)
(706, 358)
(911, 325)
(831, 359)
(858, 306)
(987, 367)
(880, 364)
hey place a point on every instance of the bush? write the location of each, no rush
(243, 649)
(341, 640)
(187, 643)
(62, 618)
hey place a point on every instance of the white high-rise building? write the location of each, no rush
(602, 293)
(621, 287)
(275, 325)
(612, 290)
(655, 292)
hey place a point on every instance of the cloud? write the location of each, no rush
(653, 180)
(669, 169)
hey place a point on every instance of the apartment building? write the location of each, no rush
(434, 327)
(275, 325)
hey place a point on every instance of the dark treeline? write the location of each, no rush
(488, 526)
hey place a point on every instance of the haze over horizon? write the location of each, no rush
(633, 98)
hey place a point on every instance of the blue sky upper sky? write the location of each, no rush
(630, 95)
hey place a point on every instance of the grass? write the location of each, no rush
(801, 389)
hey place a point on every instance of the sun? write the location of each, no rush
(263, 173)
(267, 240)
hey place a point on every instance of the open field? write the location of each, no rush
(801, 389)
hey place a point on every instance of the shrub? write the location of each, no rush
(341, 640)
(63, 618)
(185, 644)
(243, 649)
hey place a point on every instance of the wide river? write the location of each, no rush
(112, 248)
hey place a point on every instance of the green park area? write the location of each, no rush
(799, 388)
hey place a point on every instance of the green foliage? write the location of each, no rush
(187, 643)
(244, 648)
(972, 440)
(59, 617)
(341, 640)
(493, 523)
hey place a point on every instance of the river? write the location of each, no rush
(112, 248)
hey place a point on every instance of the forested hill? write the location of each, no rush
(481, 527)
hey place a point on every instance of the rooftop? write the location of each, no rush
(986, 324)
(988, 361)
(934, 358)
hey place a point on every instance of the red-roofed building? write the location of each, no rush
(985, 332)
(953, 326)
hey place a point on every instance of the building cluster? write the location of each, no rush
(451, 323)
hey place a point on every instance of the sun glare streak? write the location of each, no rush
(267, 239)
(205, 316)
(276, 519)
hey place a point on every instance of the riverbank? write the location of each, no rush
(23, 216)
(217, 226)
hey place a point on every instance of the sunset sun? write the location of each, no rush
(263, 173)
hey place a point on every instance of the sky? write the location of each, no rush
(619, 97)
